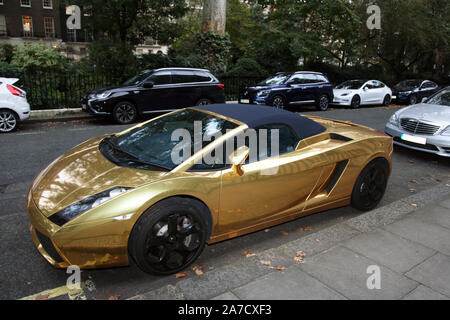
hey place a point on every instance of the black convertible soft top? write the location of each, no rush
(257, 115)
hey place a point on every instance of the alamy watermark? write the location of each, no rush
(374, 280)
(374, 20)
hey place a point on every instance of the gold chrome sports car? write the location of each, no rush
(149, 195)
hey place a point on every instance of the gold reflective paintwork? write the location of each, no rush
(241, 200)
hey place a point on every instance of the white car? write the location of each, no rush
(355, 93)
(14, 106)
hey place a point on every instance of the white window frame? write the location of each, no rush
(6, 28)
(53, 34)
(24, 5)
(32, 29)
(47, 7)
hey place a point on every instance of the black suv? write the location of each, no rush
(151, 91)
(413, 91)
(283, 89)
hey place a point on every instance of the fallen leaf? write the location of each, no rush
(298, 259)
(180, 274)
(42, 297)
(197, 269)
(265, 262)
(267, 230)
(278, 268)
(438, 180)
(250, 255)
(414, 205)
(300, 254)
(411, 161)
(413, 181)
(284, 233)
(244, 253)
(412, 190)
(308, 229)
(113, 298)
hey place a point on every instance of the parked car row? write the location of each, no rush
(13, 105)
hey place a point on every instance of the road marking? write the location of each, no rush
(74, 294)
(29, 133)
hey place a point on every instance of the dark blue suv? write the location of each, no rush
(283, 89)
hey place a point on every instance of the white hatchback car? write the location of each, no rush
(355, 93)
(14, 106)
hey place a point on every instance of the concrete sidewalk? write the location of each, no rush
(408, 242)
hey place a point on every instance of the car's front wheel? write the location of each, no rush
(412, 99)
(8, 121)
(125, 112)
(323, 103)
(387, 100)
(278, 102)
(370, 185)
(356, 102)
(169, 236)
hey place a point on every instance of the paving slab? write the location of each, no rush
(390, 250)
(290, 284)
(168, 292)
(226, 296)
(346, 272)
(434, 214)
(434, 273)
(445, 204)
(428, 234)
(424, 293)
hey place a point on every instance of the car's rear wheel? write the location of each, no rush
(203, 102)
(323, 103)
(387, 100)
(370, 185)
(8, 121)
(412, 99)
(169, 236)
(356, 102)
(125, 112)
(278, 102)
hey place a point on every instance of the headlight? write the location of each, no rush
(446, 131)
(67, 214)
(103, 95)
(264, 93)
(394, 120)
(344, 94)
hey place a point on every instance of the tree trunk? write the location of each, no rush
(214, 16)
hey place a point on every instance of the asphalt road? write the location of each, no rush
(24, 153)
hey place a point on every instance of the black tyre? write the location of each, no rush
(8, 121)
(356, 102)
(203, 102)
(278, 102)
(387, 100)
(370, 185)
(412, 99)
(170, 235)
(323, 103)
(125, 112)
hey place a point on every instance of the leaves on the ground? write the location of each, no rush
(284, 233)
(113, 298)
(412, 190)
(298, 259)
(42, 297)
(248, 255)
(267, 230)
(278, 268)
(413, 181)
(411, 161)
(244, 253)
(300, 254)
(180, 274)
(197, 269)
(414, 204)
(266, 262)
(304, 229)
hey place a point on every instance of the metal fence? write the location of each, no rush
(55, 90)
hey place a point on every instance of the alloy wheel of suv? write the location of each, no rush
(125, 113)
(278, 102)
(8, 121)
(323, 103)
(413, 99)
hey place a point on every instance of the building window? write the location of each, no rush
(25, 3)
(47, 4)
(3, 31)
(1, 2)
(49, 27)
(27, 23)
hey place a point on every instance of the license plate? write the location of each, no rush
(83, 106)
(418, 140)
(245, 101)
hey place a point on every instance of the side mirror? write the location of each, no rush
(237, 159)
(148, 85)
(366, 88)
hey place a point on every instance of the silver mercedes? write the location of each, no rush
(424, 126)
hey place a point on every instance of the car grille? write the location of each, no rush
(48, 247)
(418, 127)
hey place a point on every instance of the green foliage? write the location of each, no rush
(6, 52)
(38, 57)
(7, 70)
(247, 67)
(214, 48)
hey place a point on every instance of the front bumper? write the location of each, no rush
(436, 144)
(341, 101)
(95, 107)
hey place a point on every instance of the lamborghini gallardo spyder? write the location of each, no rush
(158, 192)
